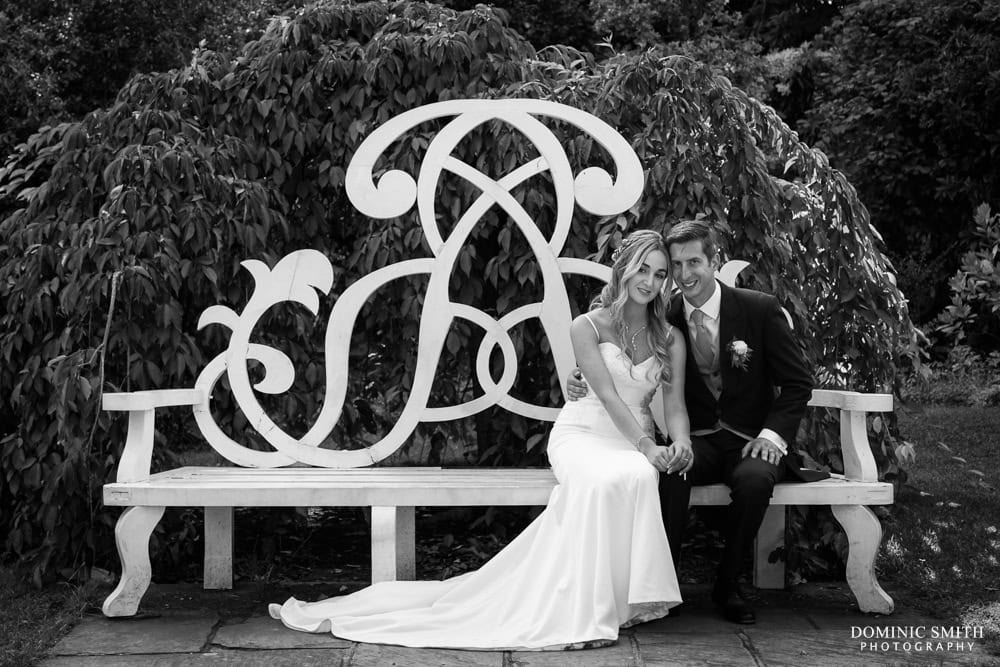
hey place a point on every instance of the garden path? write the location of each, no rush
(816, 624)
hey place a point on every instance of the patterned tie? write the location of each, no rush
(703, 346)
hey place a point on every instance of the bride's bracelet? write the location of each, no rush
(641, 438)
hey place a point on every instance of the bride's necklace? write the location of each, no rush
(633, 337)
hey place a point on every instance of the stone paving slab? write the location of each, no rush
(705, 621)
(803, 627)
(263, 632)
(684, 649)
(688, 621)
(621, 654)
(182, 632)
(807, 649)
(287, 658)
(380, 655)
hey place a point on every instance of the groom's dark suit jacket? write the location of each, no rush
(773, 390)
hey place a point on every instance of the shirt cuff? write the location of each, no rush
(775, 439)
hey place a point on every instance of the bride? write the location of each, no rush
(596, 559)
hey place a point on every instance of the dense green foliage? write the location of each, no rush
(907, 105)
(782, 24)
(127, 224)
(544, 22)
(914, 132)
(60, 59)
(973, 317)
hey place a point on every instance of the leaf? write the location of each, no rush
(85, 387)
(453, 343)
(905, 454)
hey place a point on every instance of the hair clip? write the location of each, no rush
(626, 242)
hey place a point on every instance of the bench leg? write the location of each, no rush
(218, 548)
(864, 535)
(132, 538)
(393, 551)
(771, 536)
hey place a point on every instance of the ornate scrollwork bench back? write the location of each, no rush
(299, 276)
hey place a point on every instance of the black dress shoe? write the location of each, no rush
(732, 605)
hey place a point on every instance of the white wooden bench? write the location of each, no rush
(300, 473)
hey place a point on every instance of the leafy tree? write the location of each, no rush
(127, 224)
(782, 24)
(28, 94)
(545, 22)
(716, 41)
(61, 59)
(582, 23)
(644, 23)
(907, 104)
(973, 316)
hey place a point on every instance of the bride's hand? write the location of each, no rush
(657, 455)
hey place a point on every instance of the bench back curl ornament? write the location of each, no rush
(303, 274)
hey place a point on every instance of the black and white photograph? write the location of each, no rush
(533, 333)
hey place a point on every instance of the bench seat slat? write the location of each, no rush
(402, 487)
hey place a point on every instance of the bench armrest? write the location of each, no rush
(141, 407)
(851, 400)
(859, 463)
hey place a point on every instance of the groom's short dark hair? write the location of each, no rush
(694, 230)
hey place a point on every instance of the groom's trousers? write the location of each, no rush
(718, 458)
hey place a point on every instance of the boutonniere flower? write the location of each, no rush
(739, 354)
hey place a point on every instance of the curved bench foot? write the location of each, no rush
(132, 537)
(864, 534)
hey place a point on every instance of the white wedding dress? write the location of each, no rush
(596, 559)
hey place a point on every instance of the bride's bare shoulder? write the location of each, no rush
(599, 316)
(594, 321)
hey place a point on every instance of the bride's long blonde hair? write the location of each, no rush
(626, 262)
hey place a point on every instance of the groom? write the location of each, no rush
(746, 387)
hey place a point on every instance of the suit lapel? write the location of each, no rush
(676, 313)
(731, 327)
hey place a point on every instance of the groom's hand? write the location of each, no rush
(681, 458)
(762, 448)
(576, 386)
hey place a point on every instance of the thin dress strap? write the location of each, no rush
(593, 325)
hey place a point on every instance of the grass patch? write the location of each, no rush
(32, 621)
(941, 550)
(962, 378)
